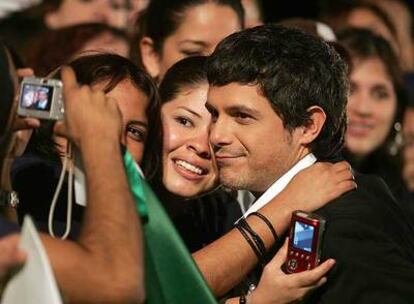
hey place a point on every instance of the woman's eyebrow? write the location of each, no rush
(189, 110)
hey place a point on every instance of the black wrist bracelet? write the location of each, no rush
(268, 223)
(256, 238)
(251, 243)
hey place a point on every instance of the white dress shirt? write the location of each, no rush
(281, 183)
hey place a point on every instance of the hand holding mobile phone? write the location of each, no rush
(305, 240)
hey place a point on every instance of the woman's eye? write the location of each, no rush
(135, 133)
(184, 121)
(381, 94)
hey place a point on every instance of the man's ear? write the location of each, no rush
(314, 126)
(150, 57)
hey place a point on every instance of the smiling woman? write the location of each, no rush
(189, 167)
(375, 108)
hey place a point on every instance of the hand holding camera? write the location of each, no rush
(81, 112)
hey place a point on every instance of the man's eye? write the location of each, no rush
(243, 118)
(192, 53)
(243, 115)
(135, 133)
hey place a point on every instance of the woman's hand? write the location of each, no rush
(276, 287)
(317, 185)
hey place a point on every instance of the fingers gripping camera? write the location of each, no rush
(41, 98)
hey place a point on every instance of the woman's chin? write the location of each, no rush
(184, 191)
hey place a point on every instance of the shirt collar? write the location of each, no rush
(281, 183)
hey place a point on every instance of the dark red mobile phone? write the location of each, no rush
(305, 239)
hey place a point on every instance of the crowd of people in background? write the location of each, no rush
(235, 123)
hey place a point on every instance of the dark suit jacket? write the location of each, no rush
(373, 244)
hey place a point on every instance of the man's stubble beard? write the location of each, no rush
(253, 180)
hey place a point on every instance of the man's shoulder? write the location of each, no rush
(372, 195)
(373, 245)
(370, 206)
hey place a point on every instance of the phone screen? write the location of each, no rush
(36, 97)
(303, 236)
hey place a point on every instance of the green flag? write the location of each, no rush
(171, 275)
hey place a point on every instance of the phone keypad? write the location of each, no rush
(292, 264)
(298, 261)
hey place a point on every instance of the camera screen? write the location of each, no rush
(36, 97)
(303, 236)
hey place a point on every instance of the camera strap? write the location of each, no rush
(67, 165)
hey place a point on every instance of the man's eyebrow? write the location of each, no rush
(244, 109)
(198, 42)
(189, 110)
(138, 122)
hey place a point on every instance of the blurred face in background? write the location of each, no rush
(189, 167)
(372, 106)
(118, 13)
(252, 14)
(202, 27)
(365, 18)
(107, 42)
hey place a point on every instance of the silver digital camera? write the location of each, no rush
(41, 98)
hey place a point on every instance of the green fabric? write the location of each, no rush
(135, 184)
(171, 276)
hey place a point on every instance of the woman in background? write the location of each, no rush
(375, 109)
(171, 30)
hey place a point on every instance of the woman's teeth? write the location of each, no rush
(189, 167)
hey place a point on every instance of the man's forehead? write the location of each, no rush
(245, 96)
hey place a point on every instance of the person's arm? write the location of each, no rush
(10, 254)
(225, 262)
(105, 264)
